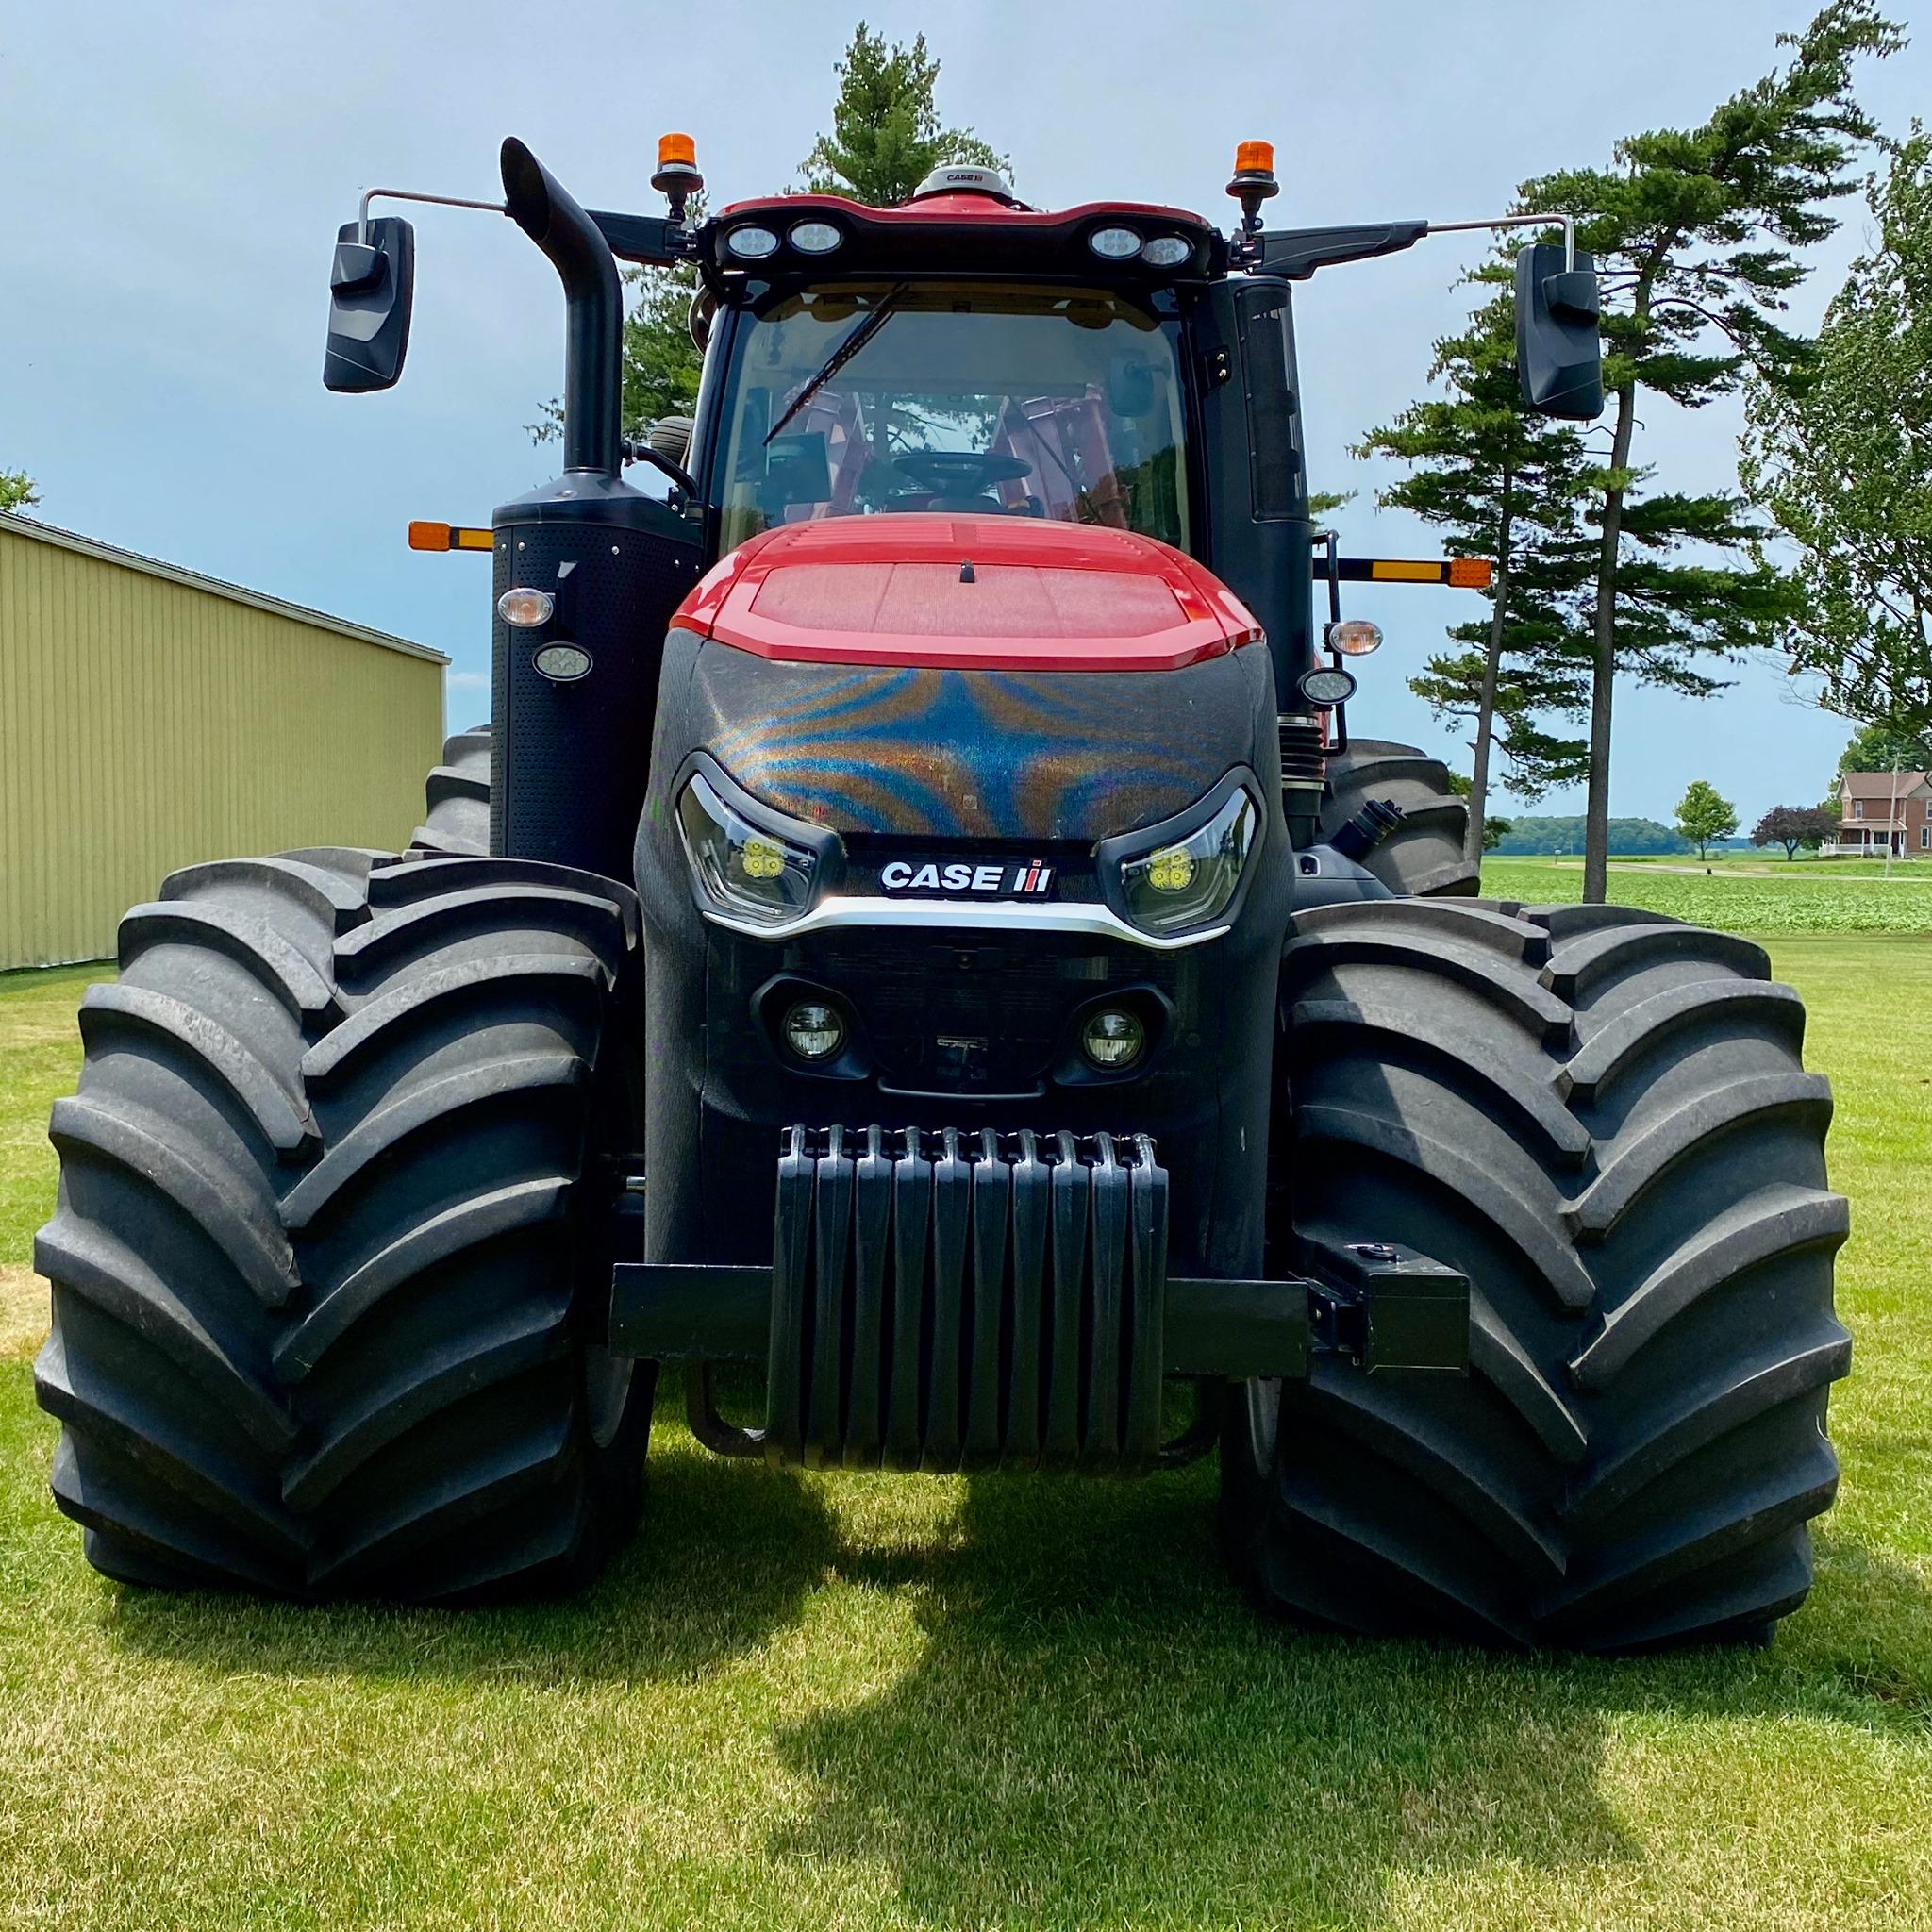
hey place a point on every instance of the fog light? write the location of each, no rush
(813, 1031)
(1326, 686)
(563, 663)
(1112, 1037)
(526, 607)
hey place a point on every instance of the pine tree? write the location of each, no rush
(886, 138)
(1503, 485)
(886, 134)
(1696, 234)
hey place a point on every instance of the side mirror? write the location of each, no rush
(1560, 355)
(370, 289)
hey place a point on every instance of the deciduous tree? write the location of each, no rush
(1795, 826)
(1842, 460)
(1704, 816)
(17, 489)
(1885, 748)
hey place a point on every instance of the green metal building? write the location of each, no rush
(151, 718)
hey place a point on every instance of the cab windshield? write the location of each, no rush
(861, 398)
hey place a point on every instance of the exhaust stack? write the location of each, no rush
(593, 297)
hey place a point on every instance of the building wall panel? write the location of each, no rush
(147, 723)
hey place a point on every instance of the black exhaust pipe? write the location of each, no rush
(593, 326)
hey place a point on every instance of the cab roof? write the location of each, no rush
(967, 231)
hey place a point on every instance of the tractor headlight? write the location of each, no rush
(743, 871)
(1169, 880)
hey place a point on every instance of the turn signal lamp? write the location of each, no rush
(526, 607)
(1470, 573)
(1355, 637)
(448, 537)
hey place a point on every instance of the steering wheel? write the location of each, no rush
(960, 473)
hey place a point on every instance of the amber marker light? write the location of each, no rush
(1254, 181)
(429, 535)
(1470, 573)
(676, 177)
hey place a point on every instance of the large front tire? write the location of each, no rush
(332, 1244)
(1421, 859)
(1602, 1118)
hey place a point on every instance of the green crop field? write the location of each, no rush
(859, 1702)
(1772, 858)
(1787, 899)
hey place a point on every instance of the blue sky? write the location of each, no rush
(177, 174)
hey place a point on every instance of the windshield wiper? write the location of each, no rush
(869, 328)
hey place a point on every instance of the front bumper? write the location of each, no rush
(951, 1300)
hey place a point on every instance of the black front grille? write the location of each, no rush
(967, 1014)
(1301, 759)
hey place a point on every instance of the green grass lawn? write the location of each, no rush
(860, 1701)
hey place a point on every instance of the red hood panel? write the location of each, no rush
(897, 589)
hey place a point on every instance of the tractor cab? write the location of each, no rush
(960, 354)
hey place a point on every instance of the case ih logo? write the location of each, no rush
(1029, 879)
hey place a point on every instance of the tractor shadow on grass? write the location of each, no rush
(725, 1557)
(1101, 1732)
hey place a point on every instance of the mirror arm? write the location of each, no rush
(1297, 253)
(644, 453)
(369, 194)
(1567, 223)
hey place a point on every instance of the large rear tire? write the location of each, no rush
(332, 1244)
(1422, 858)
(1602, 1118)
(457, 798)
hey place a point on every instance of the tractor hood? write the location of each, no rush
(933, 676)
(933, 592)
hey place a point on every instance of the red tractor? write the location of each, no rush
(918, 938)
